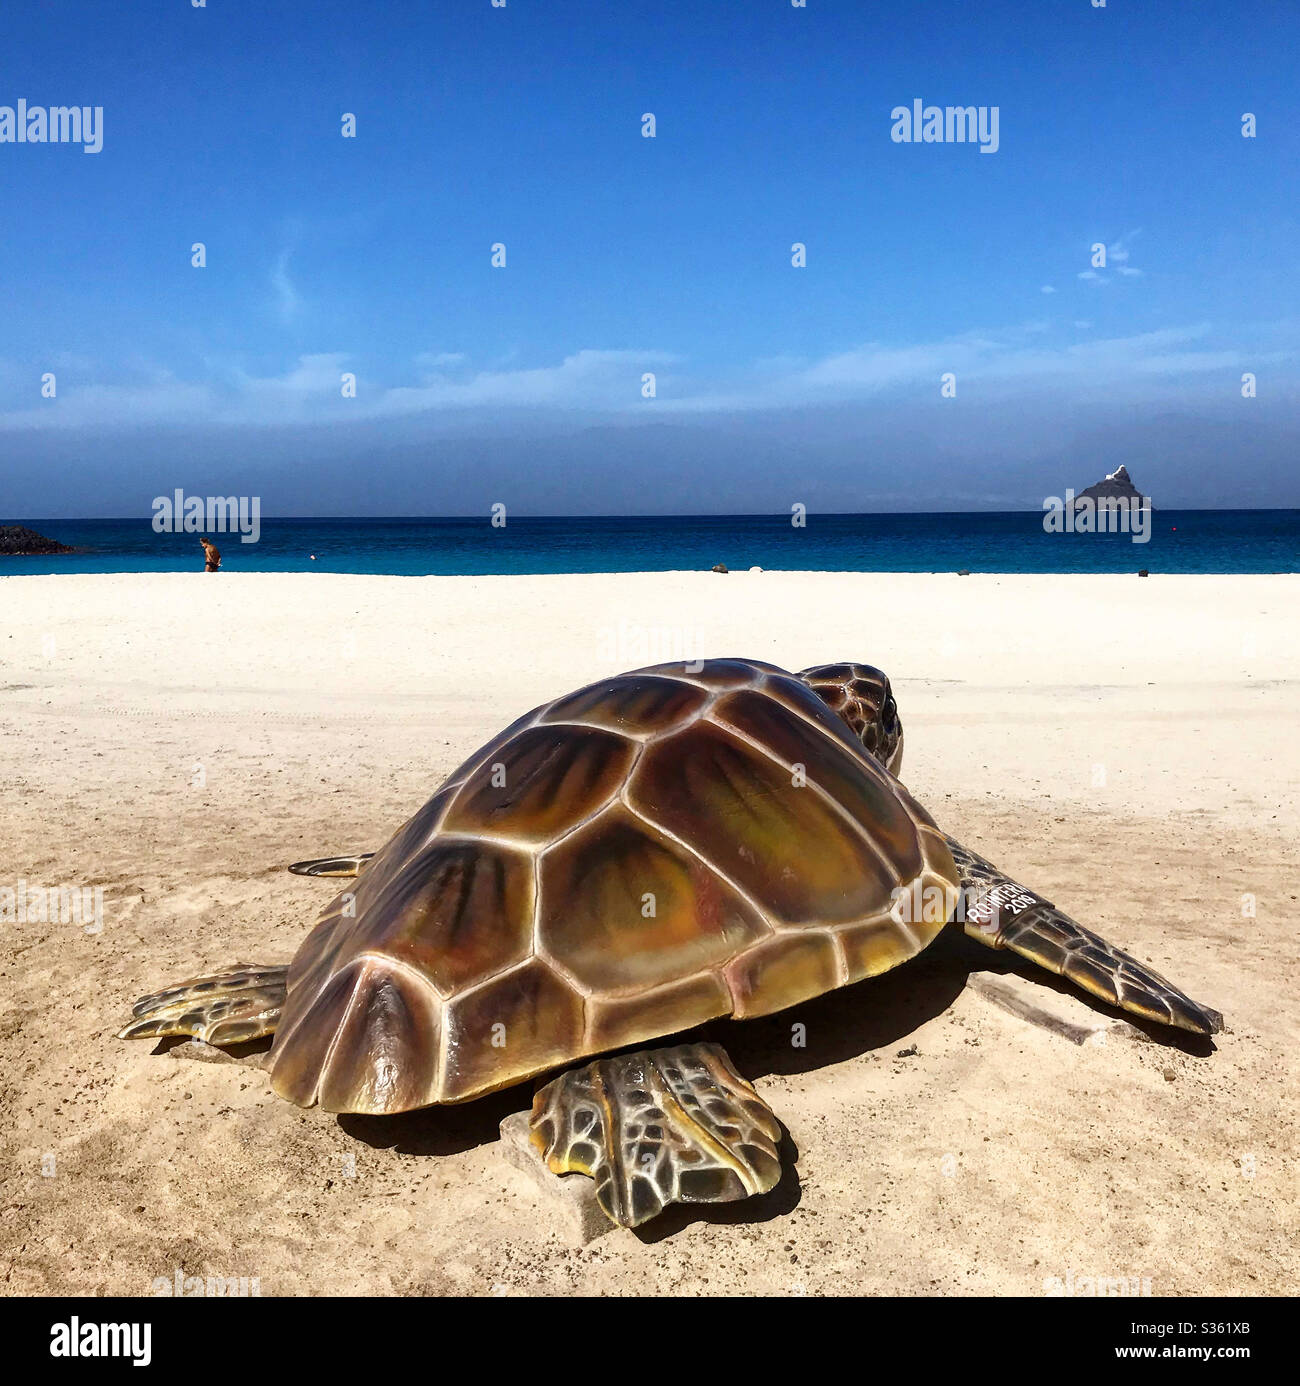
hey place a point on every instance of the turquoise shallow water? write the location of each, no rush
(1182, 541)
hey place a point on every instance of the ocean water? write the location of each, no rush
(1182, 541)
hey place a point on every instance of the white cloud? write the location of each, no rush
(590, 379)
(1117, 254)
(607, 383)
(435, 360)
(1118, 250)
(287, 301)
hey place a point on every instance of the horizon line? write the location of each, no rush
(671, 515)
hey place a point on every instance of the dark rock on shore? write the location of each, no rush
(17, 541)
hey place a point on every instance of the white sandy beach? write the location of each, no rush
(1127, 746)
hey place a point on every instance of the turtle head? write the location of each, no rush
(861, 695)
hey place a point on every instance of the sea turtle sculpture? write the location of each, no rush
(655, 850)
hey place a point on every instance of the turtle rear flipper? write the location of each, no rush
(1004, 914)
(675, 1125)
(224, 1008)
(332, 866)
(1058, 943)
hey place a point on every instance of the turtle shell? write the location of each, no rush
(628, 861)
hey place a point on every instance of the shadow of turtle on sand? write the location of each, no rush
(248, 1052)
(874, 1014)
(839, 1025)
(971, 957)
(446, 1130)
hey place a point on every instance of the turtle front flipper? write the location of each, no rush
(331, 866)
(1004, 914)
(224, 1008)
(676, 1125)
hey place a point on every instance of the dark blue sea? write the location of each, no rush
(1182, 541)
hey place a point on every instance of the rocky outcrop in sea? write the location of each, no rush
(1117, 486)
(17, 541)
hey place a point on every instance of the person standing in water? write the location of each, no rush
(211, 556)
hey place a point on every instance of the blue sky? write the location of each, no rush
(522, 125)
